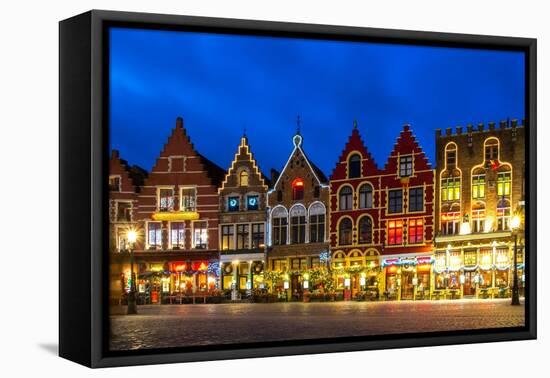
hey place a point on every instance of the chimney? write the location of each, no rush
(523, 122)
(274, 176)
(480, 127)
(437, 133)
(406, 127)
(449, 131)
(469, 128)
(502, 124)
(514, 123)
(458, 130)
(115, 154)
(179, 123)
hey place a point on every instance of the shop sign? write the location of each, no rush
(423, 260)
(156, 267)
(200, 265)
(179, 266)
(306, 284)
(285, 285)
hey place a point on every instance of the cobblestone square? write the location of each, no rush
(161, 326)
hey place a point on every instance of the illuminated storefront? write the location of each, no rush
(407, 277)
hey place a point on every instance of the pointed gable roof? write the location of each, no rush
(244, 154)
(134, 175)
(179, 145)
(297, 150)
(407, 144)
(354, 144)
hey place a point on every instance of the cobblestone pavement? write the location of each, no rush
(159, 326)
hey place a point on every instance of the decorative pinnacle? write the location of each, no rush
(298, 124)
(355, 124)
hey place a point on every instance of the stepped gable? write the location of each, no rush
(407, 144)
(355, 143)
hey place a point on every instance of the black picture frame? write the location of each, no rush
(83, 165)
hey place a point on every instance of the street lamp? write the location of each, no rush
(514, 224)
(132, 308)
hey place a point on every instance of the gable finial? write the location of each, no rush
(298, 124)
(355, 124)
(244, 131)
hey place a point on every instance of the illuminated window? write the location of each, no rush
(124, 211)
(166, 199)
(491, 149)
(395, 232)
(470, 258)
(416, 199)
(416, 231)
(478, 217)
(298, 189)
(299, 264)
(243, 233)
(503, 215)
(478, 186)
(280, 226)
(365, 196)
(450, 221)
(114, 183)
(315, 262)
(317, 223)
(405, 166)
(450, 189)
(258, 235)
(279, 265)
(233, 204)
(228, 240)
(450, 154)
(354, 166)
(243, 178)
(395, 201)
(154, 234)
(252, 202)
(298, 224)
(345, 232)
(504, 183)
(200, 235)
(177, 235)
(346, 198)
(188, 199)
(365, 230)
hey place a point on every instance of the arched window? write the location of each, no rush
(503, 215)
(345, 231)
(298, 224)
(243, 178)
(317, 223)
(450, 154)
(365, 230)
(354, 166)
(346, 198)
(365, 196)
(280, 225)
(478, 217)
(298, 189)
(491, 149)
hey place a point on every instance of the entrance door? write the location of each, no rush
(469, 283)
(407, 288)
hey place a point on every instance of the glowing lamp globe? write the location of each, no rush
(132, 236)
(514, 223)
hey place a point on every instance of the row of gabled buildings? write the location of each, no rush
(404, 231)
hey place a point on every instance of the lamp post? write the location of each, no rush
(515, 223)
(132, 308)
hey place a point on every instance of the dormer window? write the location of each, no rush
(405, 166)
(243, 178)
(298, 189)
(114, 183)
(354, 166)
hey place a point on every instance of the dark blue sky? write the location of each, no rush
(221, 84)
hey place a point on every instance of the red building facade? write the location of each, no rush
(382, 220)
(178, 213)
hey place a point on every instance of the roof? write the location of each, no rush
(215, 172)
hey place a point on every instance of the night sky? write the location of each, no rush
(222, 84)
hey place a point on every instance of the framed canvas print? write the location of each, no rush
(233, 188)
